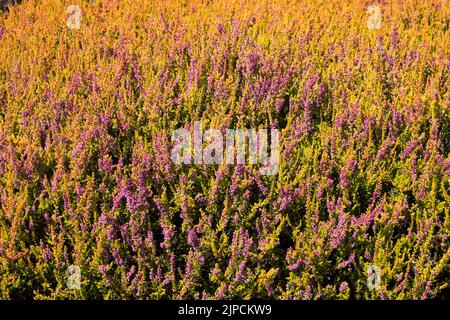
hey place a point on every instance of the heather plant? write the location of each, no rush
(93, 207)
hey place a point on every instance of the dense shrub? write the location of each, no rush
(86, 179)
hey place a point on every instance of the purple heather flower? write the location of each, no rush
(192, 238)
(343, 287)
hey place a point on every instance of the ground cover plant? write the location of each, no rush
(87, 181)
